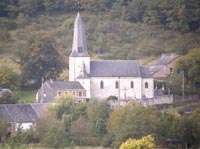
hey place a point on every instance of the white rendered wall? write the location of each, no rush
(23, 126)
(75, 66)
(124, 91)
(86, 84)
(148, 92)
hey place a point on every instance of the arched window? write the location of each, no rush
(116, 84)
(132, 84)
(146, 85)
(101, 85)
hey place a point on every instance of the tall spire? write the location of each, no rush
(79, 5)
(79, 47)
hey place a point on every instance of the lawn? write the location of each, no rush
(26, 96)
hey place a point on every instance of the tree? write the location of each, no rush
(137, 121)
(8, 77)
(39, 58)
(3, 131)
(56, 137)
(146, 142)
(97, 113)
(190, 66)
(80, 130)
(8, 97)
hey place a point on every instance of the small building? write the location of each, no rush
(21, 115)
(163, 66)
(52, 89)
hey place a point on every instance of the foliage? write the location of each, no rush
(41, 57)
(190, 66)
(20, 137)
(56, 137)
(3, 131)
(145, 142)
(137, 121)
(8, 77)
(8, 97)
(80, 131)
(97, 113)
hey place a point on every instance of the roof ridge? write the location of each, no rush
(35, 110)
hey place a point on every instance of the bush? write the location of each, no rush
(145, 142)
(56, 137)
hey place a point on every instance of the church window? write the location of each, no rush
(116, 84)
(101, 85)
(132, 84)
(146, 85)
(80, 50)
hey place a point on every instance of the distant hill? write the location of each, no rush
(115, 29)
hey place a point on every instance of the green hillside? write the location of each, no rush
(117, 29)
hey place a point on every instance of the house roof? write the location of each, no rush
(117, 68)
(65, 85)
(165, 59)
(4, 114)
(22, 113)
(145, 73)
(39, 108)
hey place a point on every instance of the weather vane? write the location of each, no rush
(79, 5)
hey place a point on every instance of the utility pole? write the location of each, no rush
(119, 94)
(183, 91)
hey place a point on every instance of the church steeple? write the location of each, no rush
(79, 47)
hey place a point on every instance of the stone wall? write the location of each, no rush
(191, 98)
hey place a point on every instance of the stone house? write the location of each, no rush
(163, 66)
(52, 89)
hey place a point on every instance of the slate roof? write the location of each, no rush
(39, 108)
(118, 68)
(65, 85)
(4, 114)
(156, 68)
(22, 113)
(145, 73)
(165, 59)
(79, 39)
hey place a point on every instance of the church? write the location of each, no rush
(124, 79)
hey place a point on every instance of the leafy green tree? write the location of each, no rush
(168, 125)
(190, 65)
(39, 58)
(56, 137)
(8, 77)
(3, 131)
(194, 120)
(97, 6)
(27, 7)
(8, 97)
(137, 121)
(135, 10)
(97, 113)
(79, 131)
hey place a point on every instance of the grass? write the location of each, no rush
(26, 96)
